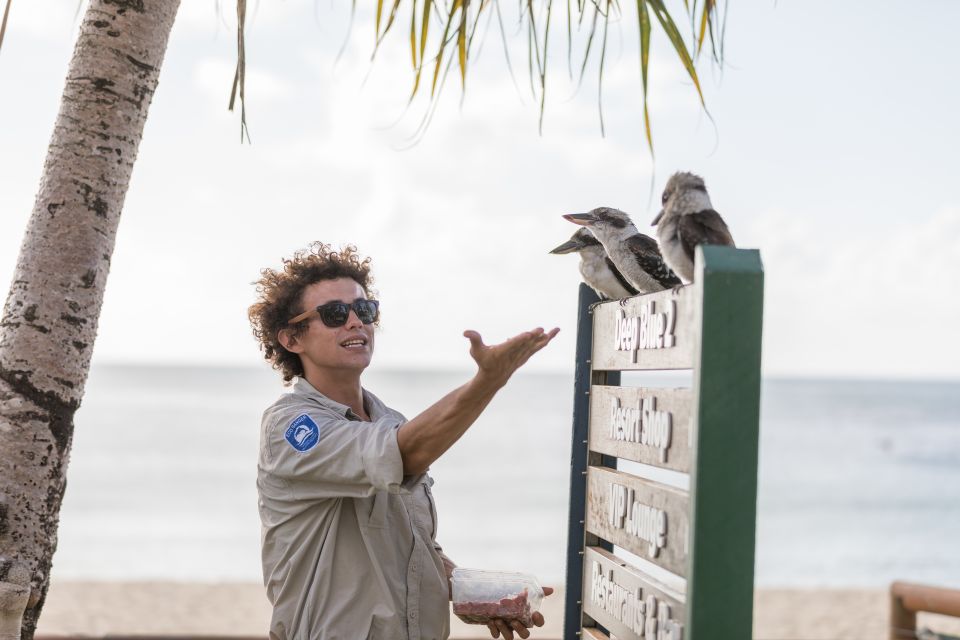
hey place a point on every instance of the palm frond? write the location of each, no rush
(603, 58)
(451, 43)
(413, 35)
(673, 34)
(543, 69)
(462, 42)
(239, 77)
(644, 17)
(586, 54)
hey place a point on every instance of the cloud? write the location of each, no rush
(44, 20)
(868, 302)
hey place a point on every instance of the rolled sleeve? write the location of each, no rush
(319, 456)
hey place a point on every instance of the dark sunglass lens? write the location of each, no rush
(366, 310)
(334, 314)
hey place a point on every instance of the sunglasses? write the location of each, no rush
(335, 314)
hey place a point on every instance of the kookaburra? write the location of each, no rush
(596, 267)
(634, 254)
(686, 220)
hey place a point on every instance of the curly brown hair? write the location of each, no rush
(279, 295)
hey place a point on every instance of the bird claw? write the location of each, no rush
(676, 289)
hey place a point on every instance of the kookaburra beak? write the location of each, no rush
(567, 247)
(580, 218)
(657, 219)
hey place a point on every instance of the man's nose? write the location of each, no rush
(353, 320)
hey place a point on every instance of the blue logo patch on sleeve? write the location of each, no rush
(303, 433)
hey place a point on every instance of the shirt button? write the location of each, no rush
(413, 614)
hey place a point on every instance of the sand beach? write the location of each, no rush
(240, 609)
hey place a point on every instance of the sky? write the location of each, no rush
(830, 146)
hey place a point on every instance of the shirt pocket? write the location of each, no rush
(372, 511)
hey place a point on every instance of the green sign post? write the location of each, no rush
(648, 558)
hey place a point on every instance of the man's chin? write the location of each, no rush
(360, 360)
(346, 361)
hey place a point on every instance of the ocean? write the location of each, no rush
(859, 482)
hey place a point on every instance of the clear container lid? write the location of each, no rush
(481, 585)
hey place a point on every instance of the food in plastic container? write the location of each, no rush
(480, 596)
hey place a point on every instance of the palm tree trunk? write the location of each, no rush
(50, 317)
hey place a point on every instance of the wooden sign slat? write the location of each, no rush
(651, 426)
(644, 517)
(653, 331)
(627, 602)
(592, 633)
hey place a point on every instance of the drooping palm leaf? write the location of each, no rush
(586, 54)
(376, 28)
(506, 49)
(442, 47)
(603, 59)
(459, 20)
(239, 77)
(673, 34)
(390, 19)
(644, 17)
(413, 36)
(421, 58)
(704, 21)
(462, 44)
(543, 69)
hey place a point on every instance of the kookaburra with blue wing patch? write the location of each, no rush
(686, 220)
(596, 267)
(634, 254)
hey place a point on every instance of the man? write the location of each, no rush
(348, 520)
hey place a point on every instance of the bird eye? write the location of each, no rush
(666, 196)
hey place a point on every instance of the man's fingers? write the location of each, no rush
(547, 591)
(539, 342)
(538, 617)
(520, 629)
(494, 632)
(505, 630)
(548, 336)
(544, 337)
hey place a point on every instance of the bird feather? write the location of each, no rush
(702, 227)
(648, 256)
(619, 276)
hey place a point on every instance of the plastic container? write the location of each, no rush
(480, 596)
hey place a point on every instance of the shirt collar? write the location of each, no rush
(371, 403)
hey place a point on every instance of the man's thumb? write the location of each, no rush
(476, 342)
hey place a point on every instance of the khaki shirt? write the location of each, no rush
(348, 542)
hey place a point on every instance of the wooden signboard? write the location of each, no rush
(651, 426)
(703, 536)
(627, 602)
(644, 517)
(654, 331)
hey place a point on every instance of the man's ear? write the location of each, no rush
(289, 341)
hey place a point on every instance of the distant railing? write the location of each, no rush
(906, 600)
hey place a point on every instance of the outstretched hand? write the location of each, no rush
(498, 362)
(508, 628)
